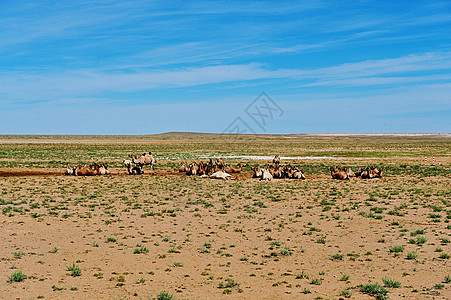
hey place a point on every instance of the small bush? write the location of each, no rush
(165, 296)
(17, 277)
(391, 283)
(74, 270)
(397, 249)
(374, 290)
(336, 257)
(444, 256)
(140, 250)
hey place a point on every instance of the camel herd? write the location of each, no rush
(218, 169)
(215, 170)
(364, 173)
(87, 170)
(276, 171)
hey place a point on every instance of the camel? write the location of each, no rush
(136, 170)
(295, 173)
(193, 169)
(220, 175)
(143, 159)
(298, 175)
(266, 175)
(276, 160)
(350, 172)
(220, 163)
(103, 169)
(338, 173)
(183, 167)
(375, 173)
(127, 163)
(87, 170)
(369, 173)
(201, 170)
(232, 169)
(210, 168)
(257, 172)
(69, 170)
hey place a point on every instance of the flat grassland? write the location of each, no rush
(136, 237)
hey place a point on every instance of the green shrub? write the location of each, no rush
(391, 283)
(17, 277)
(374, 290)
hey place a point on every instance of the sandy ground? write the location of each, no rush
(212, 239)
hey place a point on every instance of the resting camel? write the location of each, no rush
(136, 170)
(369, 173)
(350, 172)
(257, 172)
(338, 173)
(183, 167)
(87, 170)
(220, 163)
(298, 175)
(103, 169)
(232, 169)
(193, 169)
(266, 175)
(69, 170)
(295, 173)
(220, 175)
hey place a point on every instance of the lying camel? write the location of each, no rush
(183, 167)
(350, 172)
(369, 173)
(103, 169)
(266, 175)
(69, 170)
(87, 170)
(136, 170)
(295, 173)
(193, 169)
(257, 172)
(233, 169)
(220, 175)
(338, 173)
(220, 163)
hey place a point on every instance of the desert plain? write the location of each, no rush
(165, 235)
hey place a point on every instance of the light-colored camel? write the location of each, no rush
(220, 175)
(103, 170)
(143, 159)
(69, 170)
(266, 175)
(183, 167)
(257, 172)
(350, 172)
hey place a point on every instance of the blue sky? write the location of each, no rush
(143, 67)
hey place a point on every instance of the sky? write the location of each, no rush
(145, 67)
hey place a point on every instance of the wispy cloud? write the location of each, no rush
(403, 70)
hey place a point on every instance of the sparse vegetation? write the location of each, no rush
(287, 235)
